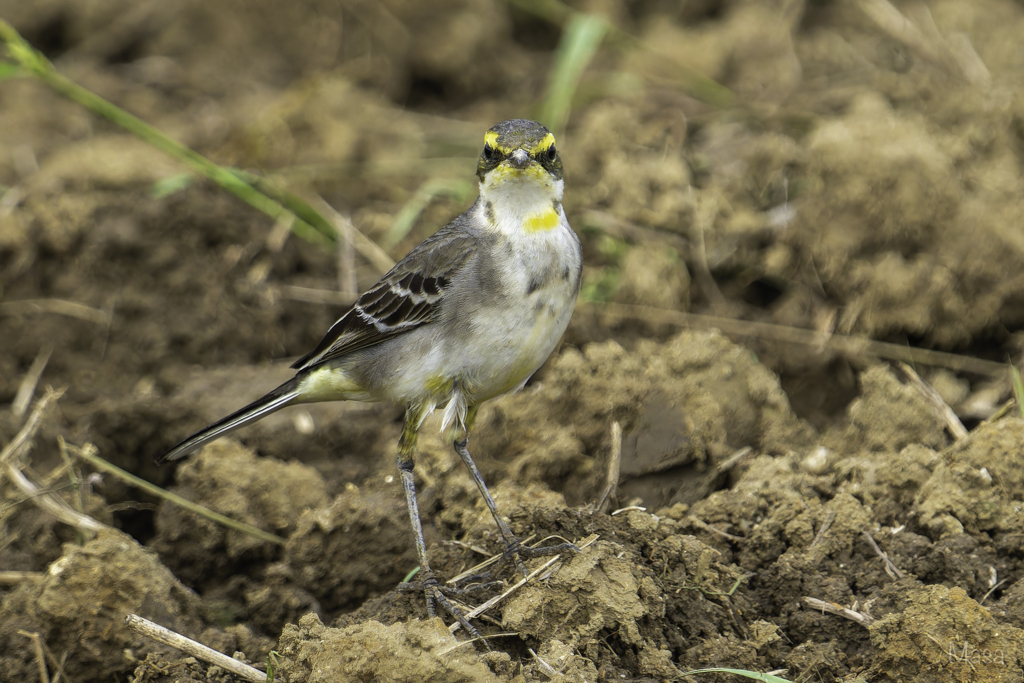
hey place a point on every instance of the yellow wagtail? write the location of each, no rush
(468, 315)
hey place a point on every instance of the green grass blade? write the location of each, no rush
(165, 187)
(1018, 388)
(35, 64)
(695, 84)
(88, 454)
(582, 36)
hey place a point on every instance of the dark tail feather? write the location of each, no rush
(279, 398)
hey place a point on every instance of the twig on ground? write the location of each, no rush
(890, 567)
(11, 578)
(491, 559)
(46, 501)
(611, 480)
(864, 620)
(732, 460)
(44, 677)
(700, 524)
(824, 529)
(546, 669)
(474, 613)
(953, 423)
(991, 591)
(462, 544)
(51, 503)
(191, 647)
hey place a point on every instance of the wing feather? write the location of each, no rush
(408, 296)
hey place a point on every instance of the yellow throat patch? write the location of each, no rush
(540, 222)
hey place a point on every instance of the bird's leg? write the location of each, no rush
(427, 581)
(513, 547)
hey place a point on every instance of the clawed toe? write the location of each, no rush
(439, 595)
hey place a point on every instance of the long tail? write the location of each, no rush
(280, 397)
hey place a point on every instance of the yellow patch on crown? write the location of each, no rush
(539, 222)
(491, 138)
(545, 142)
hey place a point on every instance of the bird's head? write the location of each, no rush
(520, 155)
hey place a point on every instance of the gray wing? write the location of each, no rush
(408, 296)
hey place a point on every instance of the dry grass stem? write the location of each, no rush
(315, 296)
(278, 235)
(367, 248)
(955, 55)
(348, 284)
(88, 453)
(991, 591)
(44, 677)
(700, 524)
(9, 461)
(953, 423)
(477, 569)
(191, 647)
(474, 613)
(824, 529)
(864, 620)
(890, 568)
(546, 669)
(848, 346)
(71, 309)
(52, 504)
(614, 464)
(27, 388)
(704, 219)
(14, 578)
(733, 460)
(476, 549)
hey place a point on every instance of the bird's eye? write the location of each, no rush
(489, 153)
(552, 154)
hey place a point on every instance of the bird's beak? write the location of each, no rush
(519, 158)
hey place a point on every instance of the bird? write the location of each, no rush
(468, 315)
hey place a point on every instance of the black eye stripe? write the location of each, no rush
(548, 155)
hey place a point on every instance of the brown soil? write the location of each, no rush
(865, 182)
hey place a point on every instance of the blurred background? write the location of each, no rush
(847, 168)
(823, 181)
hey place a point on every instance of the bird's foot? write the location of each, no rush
(436, 594)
